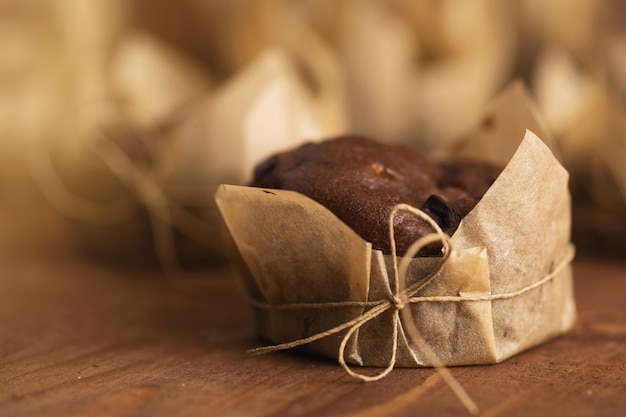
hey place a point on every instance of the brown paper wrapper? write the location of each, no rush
(589, 122)
(293, 250)
(146, 166)
(501, 123)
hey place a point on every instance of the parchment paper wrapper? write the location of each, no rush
(408, 63)
(501, 123)
(589, 122)
(170, 140)
(131, 102)
(293, 250)
(264, 109)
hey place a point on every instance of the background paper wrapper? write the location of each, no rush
(182, 139)
(293, 250)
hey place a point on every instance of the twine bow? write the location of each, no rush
(165, 214)
(398, 301)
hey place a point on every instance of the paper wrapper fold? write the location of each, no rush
(295, 251)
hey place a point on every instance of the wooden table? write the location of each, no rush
(79, 338)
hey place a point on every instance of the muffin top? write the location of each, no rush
(361, 180)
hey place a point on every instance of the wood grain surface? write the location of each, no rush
(81, 338)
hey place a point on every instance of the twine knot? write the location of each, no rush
(399, 302)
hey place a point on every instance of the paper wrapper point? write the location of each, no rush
(505, 287)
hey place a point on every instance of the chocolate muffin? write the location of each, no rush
(361, 180)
